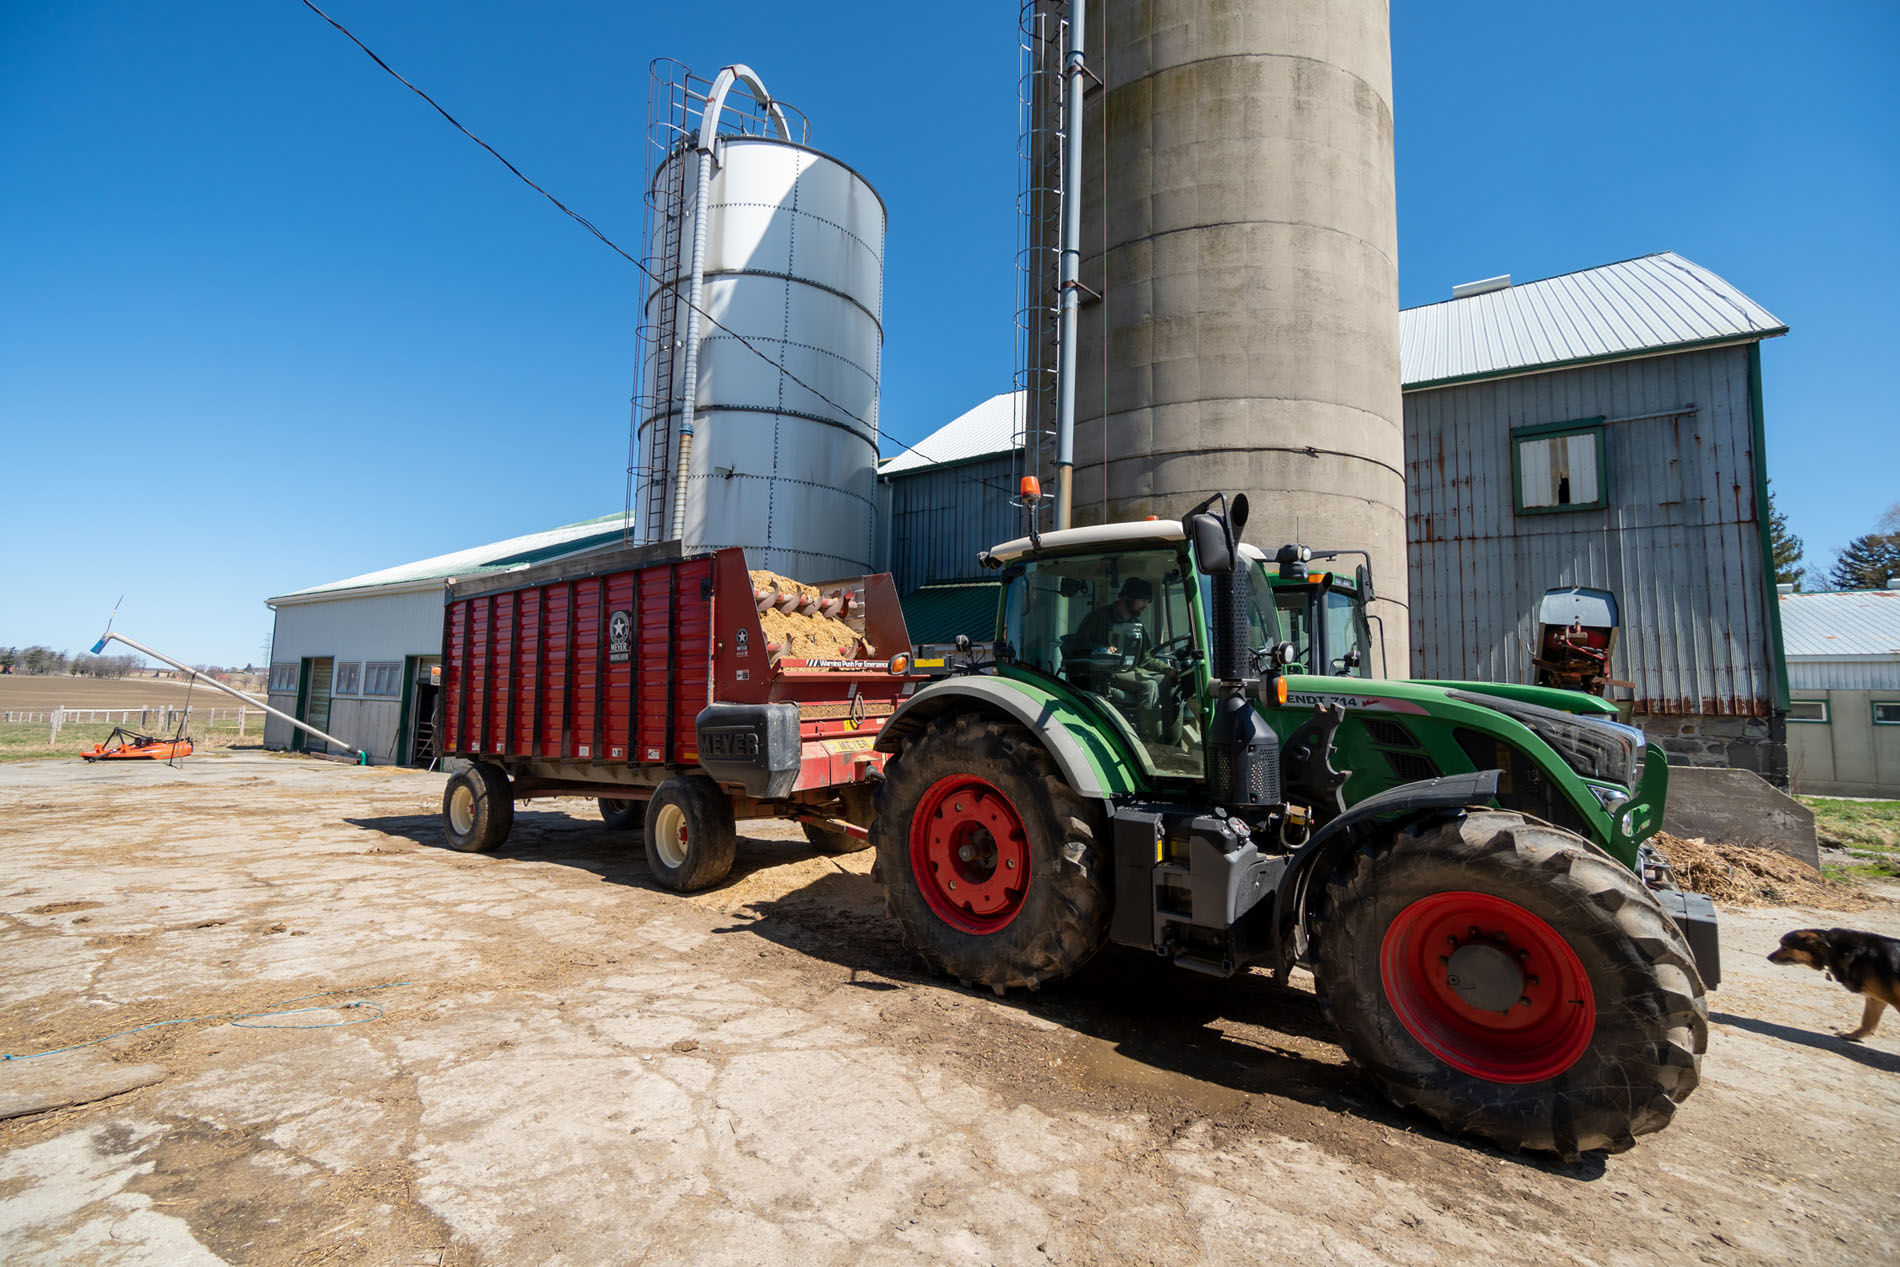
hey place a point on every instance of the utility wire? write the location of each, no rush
(611, 245)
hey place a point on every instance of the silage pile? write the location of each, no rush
(801, 622)
(1744, 875)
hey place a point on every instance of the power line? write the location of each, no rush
(611, 245)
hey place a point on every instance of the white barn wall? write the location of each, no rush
(370, 627)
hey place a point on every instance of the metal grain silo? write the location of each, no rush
(763, 336)
(1238, 223)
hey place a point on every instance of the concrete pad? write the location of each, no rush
(587, 1068)
(58, 1082)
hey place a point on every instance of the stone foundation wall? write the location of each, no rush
(1759, 744)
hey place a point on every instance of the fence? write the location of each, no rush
(164, 719)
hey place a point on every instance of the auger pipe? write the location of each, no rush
(216, 685)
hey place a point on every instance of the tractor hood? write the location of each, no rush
(1546, 696)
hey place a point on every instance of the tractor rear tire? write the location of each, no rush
(1607, 1035)
(834, 842)
(690, 839)
(478, 809)
(988, 857)
(627, 815)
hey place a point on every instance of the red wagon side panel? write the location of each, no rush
(501, 677)
(524, 672)
(454, 675)
(557, 602)
(651, 660)
(588, 654)
(617, 704)
(692, 658)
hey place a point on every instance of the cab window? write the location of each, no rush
(1116, 625)
(1346, 634)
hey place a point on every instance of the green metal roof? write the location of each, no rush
(499, 556)
(939, 612)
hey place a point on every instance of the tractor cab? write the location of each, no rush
(1324, 612)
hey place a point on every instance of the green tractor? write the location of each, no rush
(1461, 871)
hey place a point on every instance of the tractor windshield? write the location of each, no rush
(1116, 626)
(1326, 624)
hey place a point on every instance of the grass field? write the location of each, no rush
(17, 690)
(1868, 831)
(28, 741)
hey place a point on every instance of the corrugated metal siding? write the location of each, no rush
(1656, 301)
(1856, 622)
(1852, 675)
(1679, 544)
(941, 517)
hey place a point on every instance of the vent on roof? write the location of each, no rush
(1786, 587)
(1893, 582)
(1464, 290)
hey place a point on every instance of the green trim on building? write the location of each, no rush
(1555, 431)
(1759, 438)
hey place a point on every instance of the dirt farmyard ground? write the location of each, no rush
(581, 1068)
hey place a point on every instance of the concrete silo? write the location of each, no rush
(1239, 225)
(762, 336)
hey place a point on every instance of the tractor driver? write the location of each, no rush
(1139, 684)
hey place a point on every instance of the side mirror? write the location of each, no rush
(1213, 552)
(1363, 576)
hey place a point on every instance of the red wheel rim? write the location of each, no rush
(1538, 1035)
(970, 854)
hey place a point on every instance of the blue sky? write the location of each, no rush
(260, 301)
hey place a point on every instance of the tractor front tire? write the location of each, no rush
(690, 839)
(989, 859)
(1513, 981)
(478, 808)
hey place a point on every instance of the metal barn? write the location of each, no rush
(950, 495)
(360, 658)
(1844, 678)
(1600, 429)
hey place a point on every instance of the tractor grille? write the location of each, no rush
(1389, 734)
(1410, 767)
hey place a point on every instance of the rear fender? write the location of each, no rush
(1427, 800)
(1090, 761)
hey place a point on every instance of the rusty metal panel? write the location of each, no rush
(1678, 543)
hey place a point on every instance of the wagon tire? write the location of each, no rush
(478, 809)
(1607, 1037)
(690, 839)
(1029, 904)
(622, 815)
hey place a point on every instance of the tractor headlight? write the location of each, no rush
(1595, 749)
(1608, 797)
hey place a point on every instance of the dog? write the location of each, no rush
(1864, 963)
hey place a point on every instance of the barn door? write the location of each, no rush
(316, 701)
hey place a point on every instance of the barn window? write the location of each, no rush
(382, 677)
(349, 674)
(1886, 712)
(1814, 710)
(1559, 467)
(283, 677)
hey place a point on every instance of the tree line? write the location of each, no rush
(1865, 564)
(46, 662)
(39, 661)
